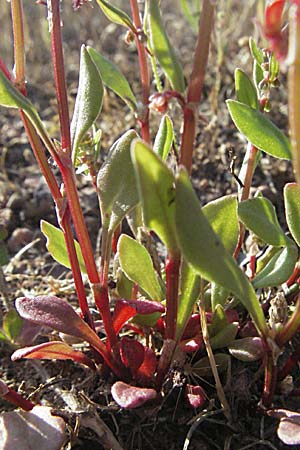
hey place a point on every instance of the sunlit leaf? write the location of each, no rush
(56, 246)
(164, 138)
(156, 187)
(292, 209)
(245, 91)
(12, 324)
(115, 14)
(247, 349)
(163, 49)
(113, 78)
(137, 264)
(204, 250)
(259, 130)
(88, 101)
(130, 397)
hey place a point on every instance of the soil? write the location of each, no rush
(25, 201)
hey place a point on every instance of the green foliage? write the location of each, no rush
(164, 138)
(56, 246)
(163, 49)
(245, 91)
(259, 130)
(88, 101)
(113, 78)
(292, 209)
(115, 14)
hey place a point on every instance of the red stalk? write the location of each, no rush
(145, 79)
(270, 380)
(17, 399)
(196, 83)
(289, 365)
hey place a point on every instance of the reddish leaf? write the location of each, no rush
(53, 350)
(132, 353)
(146, 306)
(146, 371)
(273, 14)
(192, 327)
(122, 313)
(289, 426)
(195, 396)
(131, 397)
(191, 345)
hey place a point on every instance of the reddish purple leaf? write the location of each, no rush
(191, 345)
(288, 429)
(146, 306)
(132, 353)
(195, 396)
(192, 327)
(131, 397)
(146, 371)
(53, 350)
(122, 313)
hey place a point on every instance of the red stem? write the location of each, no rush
(196, 83)
(17, 399)
(270, 380)
(145, 78)
(290, 364)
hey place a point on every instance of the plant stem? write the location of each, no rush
(270, 380)
(19, 47)
(145, 78)
(172, 283)
(196, 83)
(289, 364)
(294, 86)
(17, 399)
(290, 328)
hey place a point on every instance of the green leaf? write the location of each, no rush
(163, 49)
(259, 215)
(12, 325)
(189, 291)
(156, 187)
(56, 246)
(4, 259)
(88, 101)
(204, 250)
(116, 183)
(191, 15)
(274, 68)
(219, 296)
(259, 130)
(257, 54)
(164, 138)
(225, 336)
(3, 337)
(245, 91)
(258, 75)
(222, 216)
(115, 14)
(278, 269)
(11, 97)
(219, 321)
(291, 194)
(113, 78)
(137, 264)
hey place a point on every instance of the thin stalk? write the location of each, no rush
(17, 400)
(172, 283)
(19, 46)
(205, 334)
(270, 380)
(196, 83)
(294, 86)
(144, 70)
(290, 328)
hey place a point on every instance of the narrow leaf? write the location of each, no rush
(204, 250)
(113, 78)
(257, 54)
(164, 138)
(259, 215)
(53, 350)
(88, 101)
(278, 269)
(156, 187)
(292, 209)
(56, 246)
(223, 218)
(137, 264)
(163, 49)
(245, 91)
(259, 130)
(115, 14)
(116, 183)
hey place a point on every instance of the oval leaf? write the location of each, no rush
(116, 183)
(247, 349)
(113, 78)
(163, 49)
(164, 138)
(259, 130)
(292, 209)
(278, 269)
(225, 336)
(223, 218)
(115, 14)
(137, 264)
(204, 250)
(156, 187)
(131, 397)
(56, 246)
(259, 215)
(88, 101)
(245, 91)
